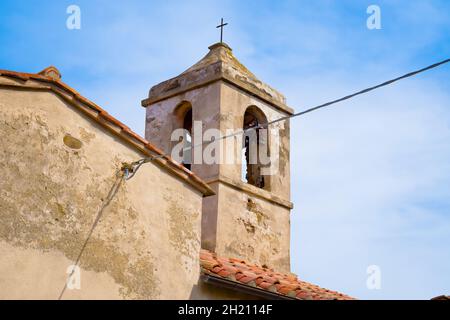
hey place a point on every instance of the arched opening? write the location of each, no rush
(183, 119)
(187, 126)
(254, 142)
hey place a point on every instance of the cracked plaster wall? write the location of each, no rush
(57, 167)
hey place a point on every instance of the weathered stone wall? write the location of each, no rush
(252, 229)
(258, 232)
(253, 223)
(147, 241)
(233, 103)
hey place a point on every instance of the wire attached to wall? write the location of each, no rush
(129, 170)
(120, 176)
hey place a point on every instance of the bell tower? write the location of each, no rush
(249, 217)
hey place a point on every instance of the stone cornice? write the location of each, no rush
(209, 80)
(251, 190)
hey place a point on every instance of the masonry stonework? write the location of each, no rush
(241, 220)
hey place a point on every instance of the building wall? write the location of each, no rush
(161, 121)
(260, 217)
(147, 241)
(241, 220)
(252, 229)
(233, 104)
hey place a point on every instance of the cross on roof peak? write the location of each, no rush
(221, 25)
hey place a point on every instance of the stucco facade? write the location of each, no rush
(241, 220)
(58, 166)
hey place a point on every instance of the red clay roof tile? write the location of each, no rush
(246, 279)
(264, 284)
(264, 278)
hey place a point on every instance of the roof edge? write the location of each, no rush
(252, 190)
(218, 64)
(103, 118)
(207, 277)
(172, 87)
(250, 276)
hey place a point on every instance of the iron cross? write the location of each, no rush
(221, 25)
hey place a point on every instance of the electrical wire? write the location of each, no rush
(134, 166)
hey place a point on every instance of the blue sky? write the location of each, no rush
(370, 177)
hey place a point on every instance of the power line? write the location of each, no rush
(131, 169)
(386, 83)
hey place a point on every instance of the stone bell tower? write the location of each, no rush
(249, 217)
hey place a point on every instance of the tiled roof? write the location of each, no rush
(442, 297)
(289, 285)
(49, 79)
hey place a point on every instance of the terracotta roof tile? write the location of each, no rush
(264, 278)
(224, 273)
